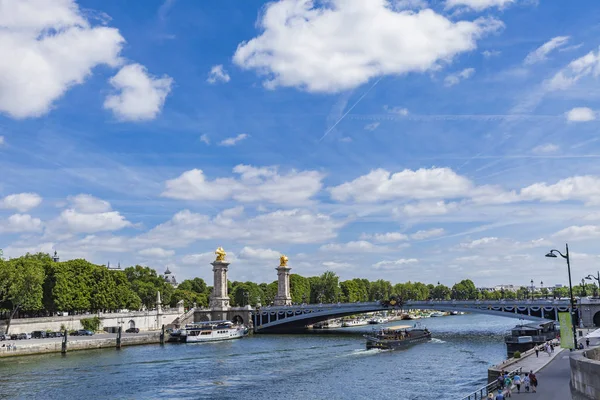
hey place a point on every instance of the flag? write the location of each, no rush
(566, 330)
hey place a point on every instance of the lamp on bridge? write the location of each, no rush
(590, 277)
(532, 290)
(552, 254)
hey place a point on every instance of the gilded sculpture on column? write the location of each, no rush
(220, 254)
(283, 260)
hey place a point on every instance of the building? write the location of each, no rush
(170, 278)
(512, 288)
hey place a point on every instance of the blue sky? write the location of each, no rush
(405, 140)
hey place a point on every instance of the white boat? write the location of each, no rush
(438, 314)
(210, 331)
(329, 324)
(354, 322)
(378, 320)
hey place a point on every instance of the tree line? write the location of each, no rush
(35, 285)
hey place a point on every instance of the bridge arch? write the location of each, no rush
(131, 324)
(597, 319)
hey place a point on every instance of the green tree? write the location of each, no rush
(146, 283)
(299, 288)
(330, 287)
(21, 284)
(441, 292)
(196, 285)
(380, 290)
(464, 290)
(350, 291)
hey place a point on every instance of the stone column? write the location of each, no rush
(219, 299)
(283, 297)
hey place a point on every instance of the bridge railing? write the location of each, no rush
(482, 392)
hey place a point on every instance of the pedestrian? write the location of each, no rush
(501, 380)
(552, 347)
(534, 381)
(517, 380)
(527, 382)
(537, 351)
(491, 396)
(587, 342)
(548, 349)
(499, 396)
(507, 385)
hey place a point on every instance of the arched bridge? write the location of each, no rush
(283, 319)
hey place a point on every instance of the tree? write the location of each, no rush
(21, 281)
(145, 282)
(350, 291)
(464, 290)
(441, 292)
(330, 287)
(196, 285)
(299, 288)
(380, 290)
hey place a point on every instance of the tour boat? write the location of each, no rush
(354, 322)
(379, 320)
(210, 331)
(396, 337)
(329, 324)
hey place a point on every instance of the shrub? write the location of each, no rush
(91, 324)
(63, 327)
(517, 354)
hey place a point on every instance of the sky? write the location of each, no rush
(415, 140)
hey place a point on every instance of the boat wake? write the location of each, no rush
(434, 340)
(364, 352)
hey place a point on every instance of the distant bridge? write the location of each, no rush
(281, 319)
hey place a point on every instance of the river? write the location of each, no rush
(310, 366)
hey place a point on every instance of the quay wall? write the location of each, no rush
(585, 370)
(144, 320)
(24, 349)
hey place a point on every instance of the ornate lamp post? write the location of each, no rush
(566, 257)
(542, 288)
(532, 290)
(583, 293)
(597, 278)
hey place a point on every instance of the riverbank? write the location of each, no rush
(75, 343)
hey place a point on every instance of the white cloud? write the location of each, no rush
(47, 47)
(581, 114)
(583, 188)
(330, 49)
(218, 74)
(371, 127)
(141, 96)
(156, 252)
(232, 141)
(396, 110)
(491, 53)
(426, 234)
(253, 185)
(77, 222)
(545, 148)
(491, 194)
(389, 237)
(20, 223)
(335, 264)
(426, 208)
(251, 253)
(360, 246)
(541, 53)
(2, 141)
(281, 226)
(478, 5)
(579, 232)
(201, 258)
(205, 139)
(394, 264)
(380, 185)
(577, 69)
(21, 201)
(86, 203)
(479, 242)
(454, 79)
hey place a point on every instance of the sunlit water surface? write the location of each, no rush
(311, 366)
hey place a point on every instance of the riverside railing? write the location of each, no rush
(482, 393)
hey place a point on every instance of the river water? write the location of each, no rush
(310, 366)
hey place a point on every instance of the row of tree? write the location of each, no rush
(35, 285)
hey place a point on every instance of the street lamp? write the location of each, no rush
(590, 277)
(566, 257)
(532, 290)
(542, 289)
(583, 294)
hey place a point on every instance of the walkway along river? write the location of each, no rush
(310, 366)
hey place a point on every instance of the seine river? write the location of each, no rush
(311, 366)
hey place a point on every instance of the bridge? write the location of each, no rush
(294, 318)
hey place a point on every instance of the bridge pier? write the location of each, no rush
(219, 298)
(283, 297)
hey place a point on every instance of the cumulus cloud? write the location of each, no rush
(396, 110)
(541, 53)
(394, 264)
(579, 232)
(491, 53)
(20, 223)
(251, 253)
(588, 65)
(581, 114)
(232, 141)
(454, 79)
(426, 208)
(424, 183)
(218, 74)
(205, 139)
(78, 222)
(156, 252)
(360, 246)
(253, 185)
(582, 188)
(426, 234)
(330, 48)
(335, 264)
(389, 237)
(21, 201)
(88, 204)
(371, 127)
(141, 96)
(545, 148)
(478, 5)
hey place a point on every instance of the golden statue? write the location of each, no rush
(283, 261)
(220, 254)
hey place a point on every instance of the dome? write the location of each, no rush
(167, 272)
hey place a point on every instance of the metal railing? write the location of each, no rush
(482, 392)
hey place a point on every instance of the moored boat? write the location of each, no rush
(396, 337)
(378, 320)
(438, 314)
(354, 322)
(210, 331)
(329, 324)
